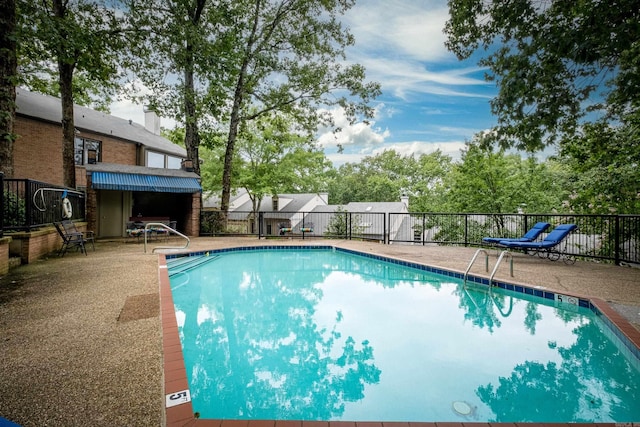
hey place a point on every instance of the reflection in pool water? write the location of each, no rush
(328, 335)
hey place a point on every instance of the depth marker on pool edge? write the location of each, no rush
(178, 398)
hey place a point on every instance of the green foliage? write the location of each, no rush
(554, 62)
(343, 224)
(493, 182)
(605, 162)
(15, 214)
(388, 175)
(247, 58)
(85, 34)
(274, 157)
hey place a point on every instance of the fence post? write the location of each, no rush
(386, 236)
(28, 217)
(616, 251)
(466, 229)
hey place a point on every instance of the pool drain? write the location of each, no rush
(462, 408)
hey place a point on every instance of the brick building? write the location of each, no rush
(127, 170)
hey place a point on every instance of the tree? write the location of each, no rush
(388, 175)
(557, 63)
(275, 158)
(494, 182)
(60, 39)
(380, 178)
(285, 58)
(179, 57)
(604, 162)
(8, 72)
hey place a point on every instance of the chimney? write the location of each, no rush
(405, 199)
(151, 120)
(324, 197)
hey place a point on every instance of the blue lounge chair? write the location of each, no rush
(544, 247)
(530, 236)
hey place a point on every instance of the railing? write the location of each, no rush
(29, 204)
(170, 230)
(303, 225)
(600, 237)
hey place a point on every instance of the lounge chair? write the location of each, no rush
(544, 247)
(530, 235)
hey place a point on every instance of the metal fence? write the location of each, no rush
(28, 204)
(332, 225)
(600, 237)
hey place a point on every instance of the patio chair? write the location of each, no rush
(70, 240)
(544, 247)
(529, 236)
(70, 227)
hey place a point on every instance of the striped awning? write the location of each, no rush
(140, 182)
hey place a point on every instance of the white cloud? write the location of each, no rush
(400, 41)
(413, 148)
(450, 148)
(353, 135)
(405, 28)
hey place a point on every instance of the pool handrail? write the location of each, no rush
(486, 263)
(495, 268)
(170, 230)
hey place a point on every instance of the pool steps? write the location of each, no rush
(183, 264)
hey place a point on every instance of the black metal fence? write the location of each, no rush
(28, 204)
(600, 237)
(332, 225)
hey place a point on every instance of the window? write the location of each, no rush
(174, 162)
(164, 161)
(87, 151)
(155, 160)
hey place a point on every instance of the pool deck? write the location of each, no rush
(81, 336)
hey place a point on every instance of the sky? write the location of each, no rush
(430, 100)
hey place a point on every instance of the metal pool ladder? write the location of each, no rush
(486, 264)
(170, 230)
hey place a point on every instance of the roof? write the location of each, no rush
(239, 202)
(49, 108)
(107, 176)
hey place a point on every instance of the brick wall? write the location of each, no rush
(38, 152)
(91, 207)
(30, 246)
(192, 226)
(4, 255)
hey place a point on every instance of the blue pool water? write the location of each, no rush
(330, 335)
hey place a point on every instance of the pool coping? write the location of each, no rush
(178, 409)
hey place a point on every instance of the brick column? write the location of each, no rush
(91, 207)
(192, 227)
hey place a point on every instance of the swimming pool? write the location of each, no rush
(323, 334)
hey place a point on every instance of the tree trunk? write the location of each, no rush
(229, 152)
(234, 122)
(192, 135)
(8, 71)
(65, 79)
(68, 127)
